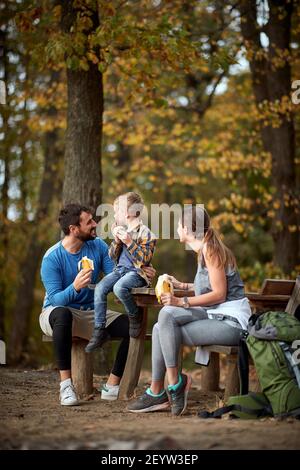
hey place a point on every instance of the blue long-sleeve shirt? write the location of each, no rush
(59, 269)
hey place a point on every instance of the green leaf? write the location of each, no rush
(160, 102)
(102, 67)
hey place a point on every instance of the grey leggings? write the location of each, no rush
(178, 326)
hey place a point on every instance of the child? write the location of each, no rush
(132, 248)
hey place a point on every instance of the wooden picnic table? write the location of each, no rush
(145, 297)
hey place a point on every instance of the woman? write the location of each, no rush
(217, 314)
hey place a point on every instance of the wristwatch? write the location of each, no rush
(186, 302)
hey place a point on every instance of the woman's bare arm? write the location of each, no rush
(218, 284)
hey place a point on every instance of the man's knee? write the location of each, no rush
(61, 316)
(66, 316)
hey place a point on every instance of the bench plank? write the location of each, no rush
(49, 339)
(222, 349)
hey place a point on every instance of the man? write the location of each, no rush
(68, 308)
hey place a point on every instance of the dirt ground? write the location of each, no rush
(31, 418)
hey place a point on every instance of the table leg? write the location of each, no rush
(134, 362)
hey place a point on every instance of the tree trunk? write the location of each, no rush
(50, 187)
(82, 181)
(4, 193)
(271, 85)
(24, 157)
(83, 177)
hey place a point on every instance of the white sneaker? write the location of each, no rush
(110, 392)
(67, 394)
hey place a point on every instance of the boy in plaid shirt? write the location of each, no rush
(132, 248)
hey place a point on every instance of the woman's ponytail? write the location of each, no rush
(197, 220)
(216, 250)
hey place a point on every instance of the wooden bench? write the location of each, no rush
(82, 366)
(275, 294)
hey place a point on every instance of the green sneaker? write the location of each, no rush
(146, 403)
(178, 398)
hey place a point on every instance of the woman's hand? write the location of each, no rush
(169, 299)
(176, 284)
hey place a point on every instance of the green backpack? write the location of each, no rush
(272, 340)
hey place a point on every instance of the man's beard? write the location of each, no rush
(85, 237)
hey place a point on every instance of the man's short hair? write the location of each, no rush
(70, 215)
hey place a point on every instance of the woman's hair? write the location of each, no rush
(197, 221)
(134, 203)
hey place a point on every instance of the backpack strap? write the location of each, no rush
(243, 364)
(290, 414)
(265, 411)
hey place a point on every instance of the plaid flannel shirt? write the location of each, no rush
(141, 249)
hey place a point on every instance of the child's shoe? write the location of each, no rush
(100, 336)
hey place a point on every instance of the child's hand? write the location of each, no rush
(124, 236)
(149, 271)
(114, 230)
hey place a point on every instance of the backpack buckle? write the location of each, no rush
(219, 316)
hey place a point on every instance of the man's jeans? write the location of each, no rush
(120, 281)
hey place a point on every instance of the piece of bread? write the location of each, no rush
(87, 263)
(163, 286)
